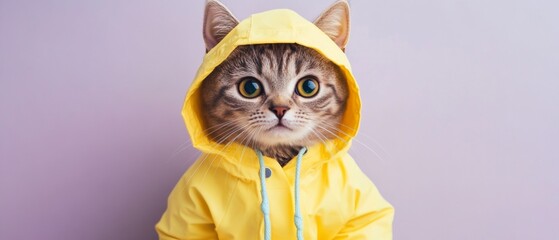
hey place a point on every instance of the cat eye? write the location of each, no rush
(307, 87)
(250, 87)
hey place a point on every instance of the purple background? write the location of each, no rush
(460, 99)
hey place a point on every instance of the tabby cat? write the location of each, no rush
(276, 98)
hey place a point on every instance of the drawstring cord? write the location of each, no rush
(298, 218)
(265, 206)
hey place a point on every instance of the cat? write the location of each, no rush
(274, 97)
(273, 109)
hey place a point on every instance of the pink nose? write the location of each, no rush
(279, 110)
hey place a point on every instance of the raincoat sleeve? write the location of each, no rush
(372, 216)
(187, 216)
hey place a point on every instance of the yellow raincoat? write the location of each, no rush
(219, 196)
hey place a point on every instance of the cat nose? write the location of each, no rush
(279, 110)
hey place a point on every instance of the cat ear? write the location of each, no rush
(334, 21)
(218, 22)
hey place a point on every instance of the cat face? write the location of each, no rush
(274, 95)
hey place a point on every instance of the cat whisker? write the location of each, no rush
(229, 132)
(222, 125)
(320, 136)
(188, 143)
(183, 146)
(248, 139)
(243, 129)
(369, 137)
(335, 129)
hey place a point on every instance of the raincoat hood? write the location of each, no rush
(275, 26)
(223, 194)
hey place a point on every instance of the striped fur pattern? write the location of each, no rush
(230, 117)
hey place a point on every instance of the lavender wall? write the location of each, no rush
(461, 107)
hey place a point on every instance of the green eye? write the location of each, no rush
(307, 87)
(250, 87)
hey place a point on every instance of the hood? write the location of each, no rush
(275, 26)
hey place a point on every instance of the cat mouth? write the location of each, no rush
(280, 127)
